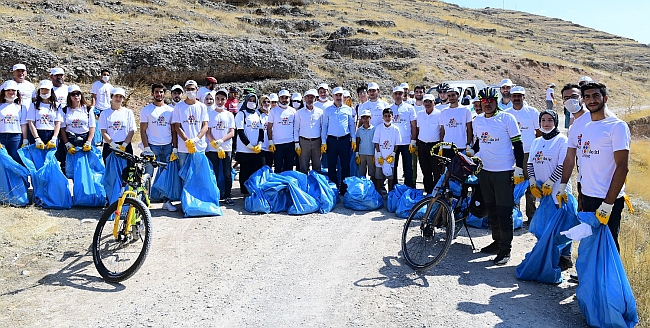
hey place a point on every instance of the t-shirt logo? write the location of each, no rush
(59, 99)
(9, 119)
(220, 125)
(485, 138)
(117, 125)
(453, 123)
(539, 157)
(76, 123)
(579, 140)
(45, 119)
(386, 144)
(284, 121)
(521, 127)
(587, 151)
(256, 125)
(161, 121)
(397, 119)
(191, 120)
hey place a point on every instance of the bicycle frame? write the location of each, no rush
(118, 212)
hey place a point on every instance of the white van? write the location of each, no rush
(471, 86)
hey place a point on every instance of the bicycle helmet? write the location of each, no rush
(442, 87)
(488, 93)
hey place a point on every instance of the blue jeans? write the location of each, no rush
(407, 166)
(283, 157)
(338, 148)
(162, 155)
(182, 157)
(12, 141)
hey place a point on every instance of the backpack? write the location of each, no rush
(462, 166)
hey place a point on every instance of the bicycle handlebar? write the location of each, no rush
(138, 159)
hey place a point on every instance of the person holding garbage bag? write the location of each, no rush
(117, 124)
(44, 117)
(250, 136)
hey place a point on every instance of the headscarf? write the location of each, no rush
(214, 99)
(555, 131)
(243, 106)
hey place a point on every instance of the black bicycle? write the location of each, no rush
(437, 219)
(123, 234)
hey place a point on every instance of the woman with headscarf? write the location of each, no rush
(44, 117)
(13, 124)
(250, 136)
(545, 164)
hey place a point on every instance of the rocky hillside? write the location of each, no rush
(300, 43)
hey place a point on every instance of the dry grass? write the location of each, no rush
(22, 227)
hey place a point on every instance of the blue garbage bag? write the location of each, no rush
(361, 195)
(168, 184)
(97, 137)
(255, 202)
(13, 181)
(86, 169)
(276, 192)
(354, 167)
(394, 195)
(473, 221)
(32, 157)
(301, 201)
(112, 179)
(319, 188)
(517, 216)
(407, 201)
(51, 185)
(541, 263)
(200, 195)
(604, 293)
(299, 176)
(543, 215)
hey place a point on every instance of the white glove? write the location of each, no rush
(175, 150)
(114, 145)
(250, 146)
(582, 230)
(518, 175)
(469, 151)
(196, 140)
(603, 212)
(25, 143)
(68, 145)
(147, 152)
(39, 143)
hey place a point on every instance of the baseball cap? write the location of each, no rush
(552, 85)
(191, 82)
(346, 93)
(19, 66)
(429, 96)
(324, 86)
(274, 97)
(45, 84)
(10, 85)
(585, 79)
(366, 113)
(223, 92)
(73, 88)
(398, 89)
(404, 85)
(177, 87)
(518, 89)
(57, 71)
(296, 96)
(411, 92)
(337, 90)
(477, 99)
(505, 82)
(284, 93)
(118, 91)
(311, 92)
(211, 79)
(373, 86)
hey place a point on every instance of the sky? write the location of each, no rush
(628, 18)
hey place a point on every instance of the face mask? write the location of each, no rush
(283, 106)
(220, 107)
(322, 99)
(191, 95)
(546, 131)
(10, 99)
(251, 105)
(44, 96)
(295, 104)
(572, 105)
(105, 78)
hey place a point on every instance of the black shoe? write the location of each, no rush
(502, 258)
(574, 277)
(565, 263)
(490, 249)
(229, 201)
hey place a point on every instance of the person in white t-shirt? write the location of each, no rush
(265, 105)
(210, 85)
(117, 124)
(78, 126)
(428, 132)
(44, 117)
(323, 101)
(25, 88)
(280, 132)
(528, 122)
(190, 120)
(101, 92)
(455, 124)
(441, 101)
(405, 96)
(386, 137)
(574, 105)
(307, 133)
(176, 95)
(404, 119)
(374, 104)
(250, 137)
(362, 93)
(221, 130)
(13, 123)
(498, 144)
(418, 97)
(602, 150)
(158, 136)
(57, 76)
(504, 87)
(550, 96)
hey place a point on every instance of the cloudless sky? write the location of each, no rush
(630, 18)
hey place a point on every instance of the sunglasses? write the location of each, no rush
(266, 102)
(76, 94)
(487, 100)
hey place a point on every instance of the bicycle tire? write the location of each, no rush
(424, 248)
(146, 184)
(118, 260)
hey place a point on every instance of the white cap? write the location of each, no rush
(507, 82)
(191, 82)
(119, 91)
(324, 86)
(429, 96)
(476, 99)
(552, 85)
(274, 97)
(73, 88)
(296, 96)
(411, 92)
(585, 79)
(373, 86)
(284, 93)
(518, 89)
(398, 89)
(311, 92)
(337, 90)
(222, 91)
(10, 85)
(57, 71)
(19, 66)
(366, 112)
(346, 93)
(404, 85)
(45, 84)
(177, 87)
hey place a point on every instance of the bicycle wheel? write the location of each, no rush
(146, 184)
(426, 240)
(117, 259)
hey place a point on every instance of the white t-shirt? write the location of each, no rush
(26, 90)
(454, 121)
(387, 138)
(410, 101)
(528, 121)
(12, 116)
(61, 95)
(220, 124)
(251, 124)
(307, 123)
(403, 115)
(323, 105)
(191, 118)
(282, 120)
(78, 121)
(429, 129)
(595, 148)
(376, 109)
(264, 120)
(546, 155)
(494, 135)
(441, 107)
(575, 134)
(418, 108)
(549, 93)
(45, 116)
(103, 93)
(503, 106)
(159, 123)
(117, 123)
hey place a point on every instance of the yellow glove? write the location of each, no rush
(191, 146)
(603, 212)
(323, 148)
(518, 175)
(25, 143)
(561, 195)
(628, 202)
(51, 144)
(354, 146)
(214, 144)
(174, 155)
(413, 148)
(390, 159)
(221, 153)
(547, 187)
(1, 146)
(534, 189)
(257, 149)
(70, 147)
(357, 158)
(123, 146)
(87, 146)
(380, 160)
(272, 146)
(39, 143)
(298, 149)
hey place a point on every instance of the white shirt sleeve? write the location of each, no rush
(620, 137)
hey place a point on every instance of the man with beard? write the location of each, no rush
(26, 88)
(323, 102)
(210, 85)
(338, 138)
(428, 132)
(280, 132)
(418, 96)
(602, 149)
(455, 124)
(528, 122)
(404, 119)
(176, 95)
(307, 133)
(405, 96)
(57, 76)
(374, 104)
(504, 88)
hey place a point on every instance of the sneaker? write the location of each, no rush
(574, 277)
(490, 249)
(565, 263)
(229, 201)
(502, 258)
(169, 206)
